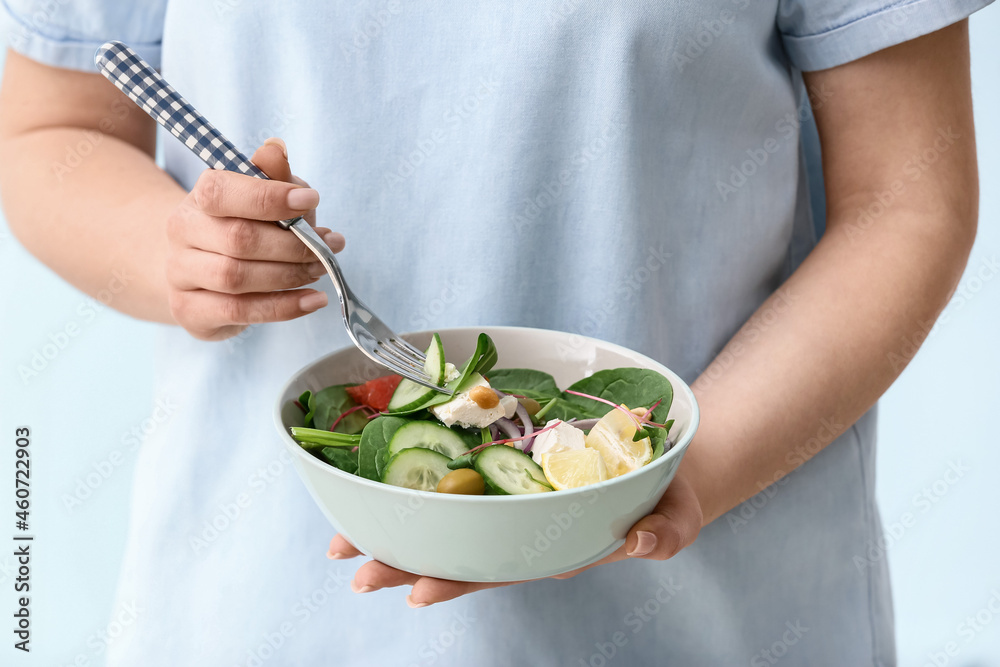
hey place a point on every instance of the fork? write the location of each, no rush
(143, 85)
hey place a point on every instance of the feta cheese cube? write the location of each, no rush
(562, 437)
(509, 404)
(465, 412)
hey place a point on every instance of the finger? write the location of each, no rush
(341, 548)
(196, 269)
(272, 159)
(242, 238)
(311, 215)
(428, 590)
(374, 575)
(335, 240)
(211, 315)
(615, 556)
(225, 194)
(673, 524)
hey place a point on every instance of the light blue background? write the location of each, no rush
(83, 406)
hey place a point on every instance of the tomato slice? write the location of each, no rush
(375, 393)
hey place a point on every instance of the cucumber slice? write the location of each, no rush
(434, 364)
(409, 395)
(428, 435)
(509, 471)
(416, 468)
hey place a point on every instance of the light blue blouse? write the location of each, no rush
(631, 171)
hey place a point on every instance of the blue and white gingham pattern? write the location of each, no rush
(136, 78)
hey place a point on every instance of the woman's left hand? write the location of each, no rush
(673, 525)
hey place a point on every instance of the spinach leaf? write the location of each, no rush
(468, 459)
(471, 437)
(635, 387)
(332, 402)
(374, 443)
(525, 382)
(305, 401)
(341, 458)
(657, 436)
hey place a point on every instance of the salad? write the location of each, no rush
(494, 431)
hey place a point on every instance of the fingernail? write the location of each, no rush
(316, 269)
(275, 141)
(313, 302)
(415, 605)
(362, 589)
(336, 556)
(303, 199)
(646, 543)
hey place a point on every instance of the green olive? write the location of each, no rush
(464, 480)
(531, 405)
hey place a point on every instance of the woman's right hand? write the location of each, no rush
(227, 267)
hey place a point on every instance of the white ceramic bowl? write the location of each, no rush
(488, 538)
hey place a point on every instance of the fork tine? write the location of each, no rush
(421, 357)
(394, 353)
(407, 373)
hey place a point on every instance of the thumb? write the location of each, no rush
(272, 159)
(673, 524)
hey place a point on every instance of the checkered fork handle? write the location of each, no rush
(143, 85)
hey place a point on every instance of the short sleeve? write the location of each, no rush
(819, 34)
(67, 33)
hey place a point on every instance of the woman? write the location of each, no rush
(629, 173)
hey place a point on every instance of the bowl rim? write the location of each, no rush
(676, 451)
